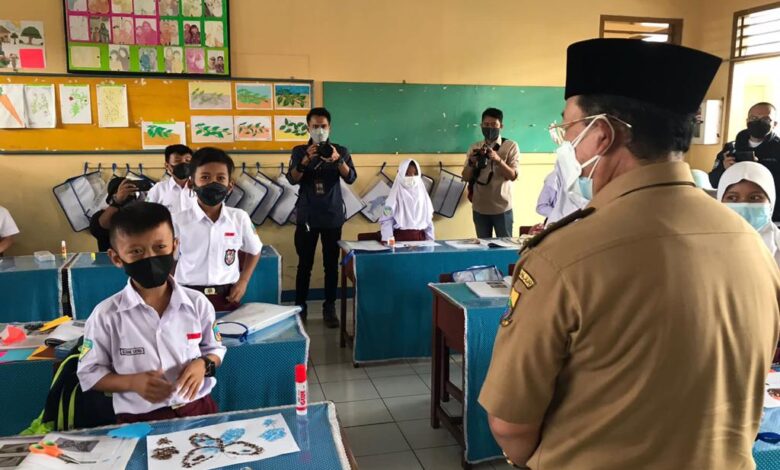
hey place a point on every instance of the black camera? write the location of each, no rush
(482, 156)
(142, 184)
(748, 156)
(325, 150)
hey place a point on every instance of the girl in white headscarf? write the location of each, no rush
(749, 189)
(408, 211)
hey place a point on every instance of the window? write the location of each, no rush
(646, 29)
(757, 32)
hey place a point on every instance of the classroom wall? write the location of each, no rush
(504, 42)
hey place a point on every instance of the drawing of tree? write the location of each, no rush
(78, 102)
(14, 36)
(31, 32)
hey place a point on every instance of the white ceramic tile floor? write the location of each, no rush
(384, 409)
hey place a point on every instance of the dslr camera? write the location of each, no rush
(324, 150)
(483, 157)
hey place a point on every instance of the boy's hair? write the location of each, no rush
(494, 113)
(318, 112)
(177, 148)
(211, 155)
(137, 218)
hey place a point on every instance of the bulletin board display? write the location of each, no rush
(241, 114)
(178, 37)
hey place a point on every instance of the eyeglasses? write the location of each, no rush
(558, 131)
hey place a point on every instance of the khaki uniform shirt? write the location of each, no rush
(640, 335)
(495, 197)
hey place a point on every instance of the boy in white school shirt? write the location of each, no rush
(174, 193)
(155, 344)
(8, 230)
(211, 234)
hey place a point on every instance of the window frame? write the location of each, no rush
(675, 25)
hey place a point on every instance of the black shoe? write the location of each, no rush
(329, 315)
(304, 313)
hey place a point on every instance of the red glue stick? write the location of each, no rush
(301, 390)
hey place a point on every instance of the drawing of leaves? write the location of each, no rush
(78, 102)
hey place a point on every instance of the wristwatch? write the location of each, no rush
(211, 367)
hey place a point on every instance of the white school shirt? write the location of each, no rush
(126, 336)
(208, 251)
(7, 225)
(171, 195)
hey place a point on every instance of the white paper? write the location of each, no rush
(501, 242)
(93, 453)
(159, 135)
(375, 199)
(369, 245)
(65, 332)
(255, 317)
(39, 106)
(248, 440)
(473, 244)
(772, 390)
(75, 104)
(489, 289)
(416, 243)
(12, 109)
(112, 105)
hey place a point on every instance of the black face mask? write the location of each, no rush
(212, 194)
(181, 171)
(759, 129)
(491, 133)
(150, 272)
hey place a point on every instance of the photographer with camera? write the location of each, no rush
(318, 168)
(490, 169)
(759, 143)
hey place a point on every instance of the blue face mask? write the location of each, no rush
(757, 214)
(586, 187)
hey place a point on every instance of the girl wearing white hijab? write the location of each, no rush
(408, 211)
(749, 189)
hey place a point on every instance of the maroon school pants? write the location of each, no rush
(201, 406)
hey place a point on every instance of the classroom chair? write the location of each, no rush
(369, 236)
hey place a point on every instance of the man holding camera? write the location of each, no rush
(759, 142)
(490, 169)
(318, 168)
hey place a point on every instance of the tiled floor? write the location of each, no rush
(384, 409)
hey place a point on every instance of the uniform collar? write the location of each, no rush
(655, 174)
(200, 214)
(173, 184)
(131, 298)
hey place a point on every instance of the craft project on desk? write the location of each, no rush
(91, 453)
(223, 444)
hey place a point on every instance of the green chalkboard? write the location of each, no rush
(415, 118)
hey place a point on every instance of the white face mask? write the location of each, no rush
(319, 135)
(571, 168)
(409, 181)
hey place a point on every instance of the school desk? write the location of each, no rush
(767, 454)
(30, 291)
(392, 306)
(464, 323)
(93, 280)
(259, 372)
(318, 435)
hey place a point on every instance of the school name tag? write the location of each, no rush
(131, 351)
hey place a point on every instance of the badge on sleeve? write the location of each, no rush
(506, 318)
(526, 279)
(217, 335)
(85, 348)
(230, 257)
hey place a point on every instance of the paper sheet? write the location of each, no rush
(39, 106)
(375, 199)
(371, 245)
(112, 105)
(772, 390)
(93, 453)
(220, 445)
(158, 135)
(65, 332)
(12, 109)
(472, 244)
(416, 243)
(75, 104)
(489, 289)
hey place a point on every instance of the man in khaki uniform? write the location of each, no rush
(641, 327)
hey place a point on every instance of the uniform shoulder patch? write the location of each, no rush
(85, 348)
(215, 329)
(526, 278)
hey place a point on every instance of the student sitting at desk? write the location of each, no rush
(8, 230)
(174, 193)
(408, 212)
(211, 234)
(154, 345)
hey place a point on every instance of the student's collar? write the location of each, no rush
(173, 184)
(493, 143)
(131, 298)
(202, 214)
(654, 174)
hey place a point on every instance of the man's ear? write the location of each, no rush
(175, 247)
(115, 259)
(231, 185)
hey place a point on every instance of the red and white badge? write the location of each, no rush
(193, 337)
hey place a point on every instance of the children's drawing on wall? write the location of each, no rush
(210, 95)
(215, 34)
(145, 31)
(22, 45)
(145, 7)
(192, 8)
(196, 61)
(174, 61)
(147, 59)
(99, 30)
(85, 57)
(291, 129)
(169, 7)
(97, 6)
(252, 128)
(121, 6)
(122, 28)
(292, 95)
(254, 96)
(158, 135)
(77, 5)
(79, 27)
(119, 58)
(213, 8)
(216, 62)
(112, 105)
(169, 33)
(40, 106)
(12, 112)
(75, 104)
(192, 33)
(211, 129)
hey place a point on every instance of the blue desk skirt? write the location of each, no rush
(317, 435)
(766, 455)
(30, 291)
(92, 281)
(482, 318)
(392, 301)
(25, 386)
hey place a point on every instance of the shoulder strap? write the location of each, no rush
(574, 216)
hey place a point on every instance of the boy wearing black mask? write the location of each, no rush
(211, 234)
(758, 142)
(122, 351)
(174, 193)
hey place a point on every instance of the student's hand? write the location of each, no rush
(536, 229)
(152, 386)
(191, 379)
(125, 190)
(728, 160)
(237, 292)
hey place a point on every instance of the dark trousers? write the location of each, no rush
(502, 223)
(306, 246)
(199, 407)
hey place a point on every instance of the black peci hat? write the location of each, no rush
(672, 77)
